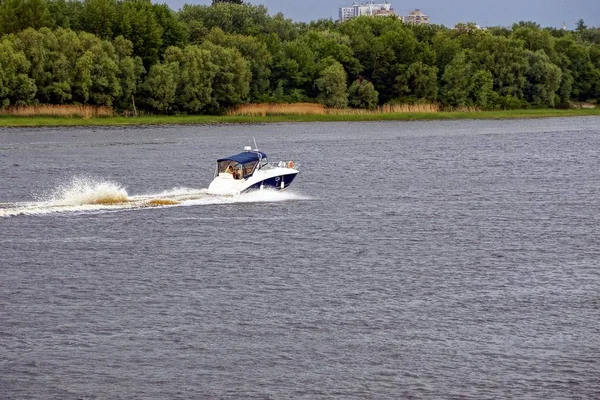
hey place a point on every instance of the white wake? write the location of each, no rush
(84, 195)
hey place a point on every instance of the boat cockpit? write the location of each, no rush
(243, 165)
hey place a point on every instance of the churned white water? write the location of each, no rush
(85, 190)
(86, 194)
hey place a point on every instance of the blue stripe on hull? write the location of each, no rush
(274, 183)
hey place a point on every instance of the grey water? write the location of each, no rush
(424, 260)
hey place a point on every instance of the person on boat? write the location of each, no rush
(229, 169)
(237, 173)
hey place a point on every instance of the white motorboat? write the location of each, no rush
(251, 170)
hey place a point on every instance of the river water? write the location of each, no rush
(408, 260)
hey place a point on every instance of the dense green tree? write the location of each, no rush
(242, 19)
(526, 24)
(97, 75)
(41, 51)
(255, 52)
(574, 60)
(83, 77)
(65, 48)
(499, 31)
(445, 48)
(66, 14)
(417, 82)
(535, 39)
(131, 70)
(175, 32)
(106, 52)
(231, 83)
(196, 32)
(469, 35)
(160, 87)
(542, 80)
(16, 87)
(426, 32)
(286, 77)
(295, 69)
(283, 27)
(331, 86)
(137, 21)
(465, 85)
(385, 48)
(196, 76)
(362, 94)
(18, 15)
(591, 36)
(594, 51)
(556, 33)
(99, 17)
(566, 88)
(507, 61)
(323, 24)
(66, 66)
(325, 43)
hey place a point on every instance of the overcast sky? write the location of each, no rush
(482, 12)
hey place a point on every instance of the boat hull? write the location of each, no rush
(274, 179)
(276, 182)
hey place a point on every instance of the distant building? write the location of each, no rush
(416, 17)
(369, 9)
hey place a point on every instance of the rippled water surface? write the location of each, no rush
(408, 260)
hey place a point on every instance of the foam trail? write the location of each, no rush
(82, 190)
(80, 194)
(267, 195)
(180, 194)
(85, 195)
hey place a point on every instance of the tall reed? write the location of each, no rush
(409, 108)
(318, 109)
(63, 110)
(264, 109)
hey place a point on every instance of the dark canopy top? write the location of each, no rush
(245, 157)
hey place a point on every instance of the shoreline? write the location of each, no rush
(7, 121)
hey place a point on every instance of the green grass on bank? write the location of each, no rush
(11, 121)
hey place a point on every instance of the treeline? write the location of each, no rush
(204, 59)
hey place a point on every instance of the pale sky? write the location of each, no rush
(483, 12)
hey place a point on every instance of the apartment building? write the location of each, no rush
(416, 17)
(372, 9)
(369, 9)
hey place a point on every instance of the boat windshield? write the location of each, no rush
(263, 162)
(248, 168)
(224, 166)
(236, 169)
